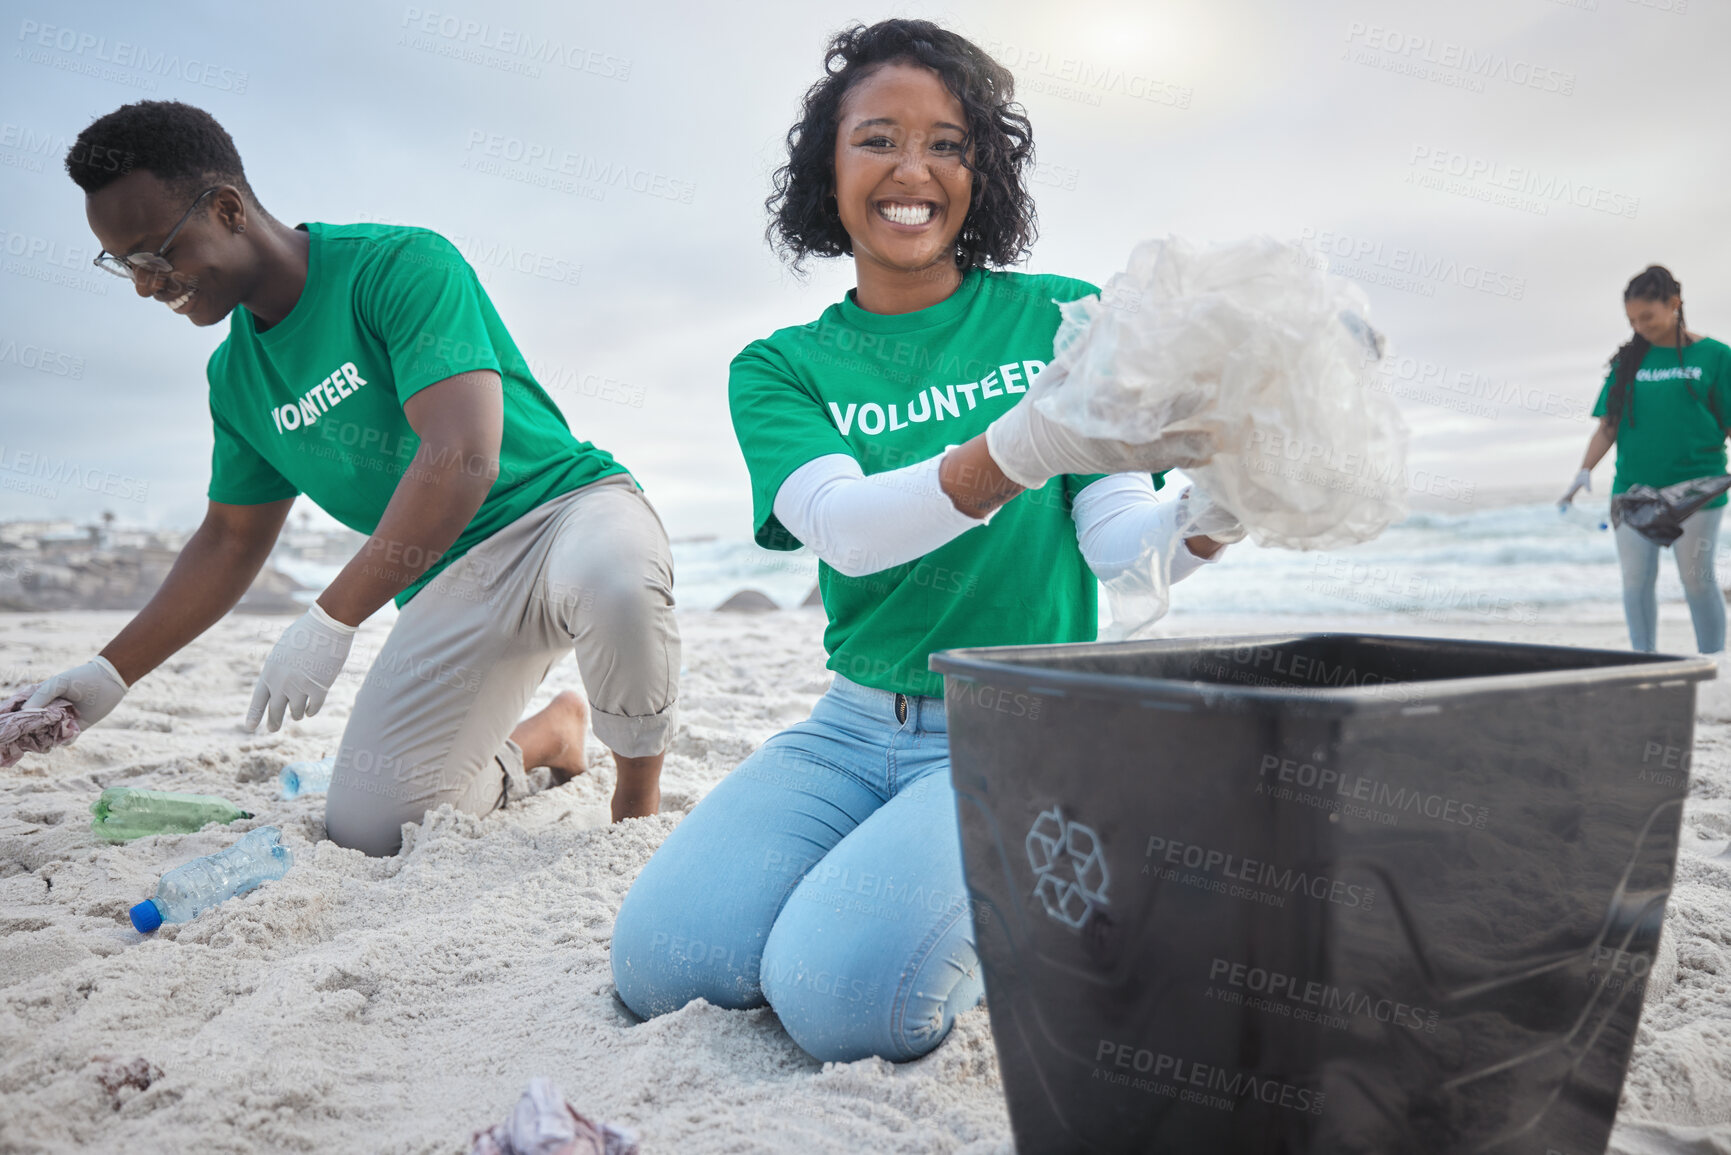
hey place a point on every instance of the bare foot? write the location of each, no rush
(554, 737)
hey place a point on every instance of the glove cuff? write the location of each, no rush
(317, 613)
(1008, 434)
(107, 667)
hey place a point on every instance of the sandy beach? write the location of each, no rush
(398, 1005)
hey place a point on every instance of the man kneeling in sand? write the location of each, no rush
(366, 368)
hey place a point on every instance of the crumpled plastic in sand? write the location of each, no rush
(1254, 342)
(34, 731)
(543, 1123)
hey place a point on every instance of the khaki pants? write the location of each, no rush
(590, 570)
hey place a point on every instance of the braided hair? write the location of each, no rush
(1654, 283)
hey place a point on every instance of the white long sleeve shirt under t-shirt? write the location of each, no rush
(861, 525)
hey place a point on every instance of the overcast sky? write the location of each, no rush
(1493, 170)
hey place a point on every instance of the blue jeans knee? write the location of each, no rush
(841, 1009)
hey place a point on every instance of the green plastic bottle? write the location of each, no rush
(126, 812)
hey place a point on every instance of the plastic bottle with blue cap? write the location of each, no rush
(1582, 517)
(193, 887)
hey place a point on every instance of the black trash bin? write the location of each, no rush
(1317, 893)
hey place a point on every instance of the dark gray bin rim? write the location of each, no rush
(993, 664)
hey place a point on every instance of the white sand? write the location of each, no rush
(397, 1005)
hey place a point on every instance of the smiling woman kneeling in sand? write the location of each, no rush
(824, 874)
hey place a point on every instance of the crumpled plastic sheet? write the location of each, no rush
(543, 1123)
(34, 731)
(1255, 342)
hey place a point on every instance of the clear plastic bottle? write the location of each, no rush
(1582, 517)
(122, 813)
(257, 857)
(310, 777)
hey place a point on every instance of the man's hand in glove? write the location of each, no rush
(300, 669)
(94, 689)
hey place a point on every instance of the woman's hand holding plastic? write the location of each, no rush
(1243, 363)
(1031, 448)
(300, 669)
(94, 689)
(1204, 517)
(1253, 348)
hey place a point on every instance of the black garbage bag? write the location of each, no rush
(1657, 514)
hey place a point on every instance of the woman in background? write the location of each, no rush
(1663, 406)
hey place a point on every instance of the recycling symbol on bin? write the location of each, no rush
(1069, 870)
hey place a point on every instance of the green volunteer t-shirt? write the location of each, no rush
(891, 391)
(1667, 435)
(314, 404)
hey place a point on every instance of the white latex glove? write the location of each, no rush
(94, 689)
(1206, 519)
(301, 667)
(1031, 448)
(1583, 480)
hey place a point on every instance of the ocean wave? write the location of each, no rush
(1500, 563)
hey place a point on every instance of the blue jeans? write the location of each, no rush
(824, 877)
(1694, 550)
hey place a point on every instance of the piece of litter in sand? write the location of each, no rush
(34, 731)
(543, 1123)
(115, 1074)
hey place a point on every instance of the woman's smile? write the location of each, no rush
(915, 215)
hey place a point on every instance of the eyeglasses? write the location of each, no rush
(139, 266)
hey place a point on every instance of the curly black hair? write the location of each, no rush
(182, 146)
(1000, 224)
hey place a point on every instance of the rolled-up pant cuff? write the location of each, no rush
(634, 736)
